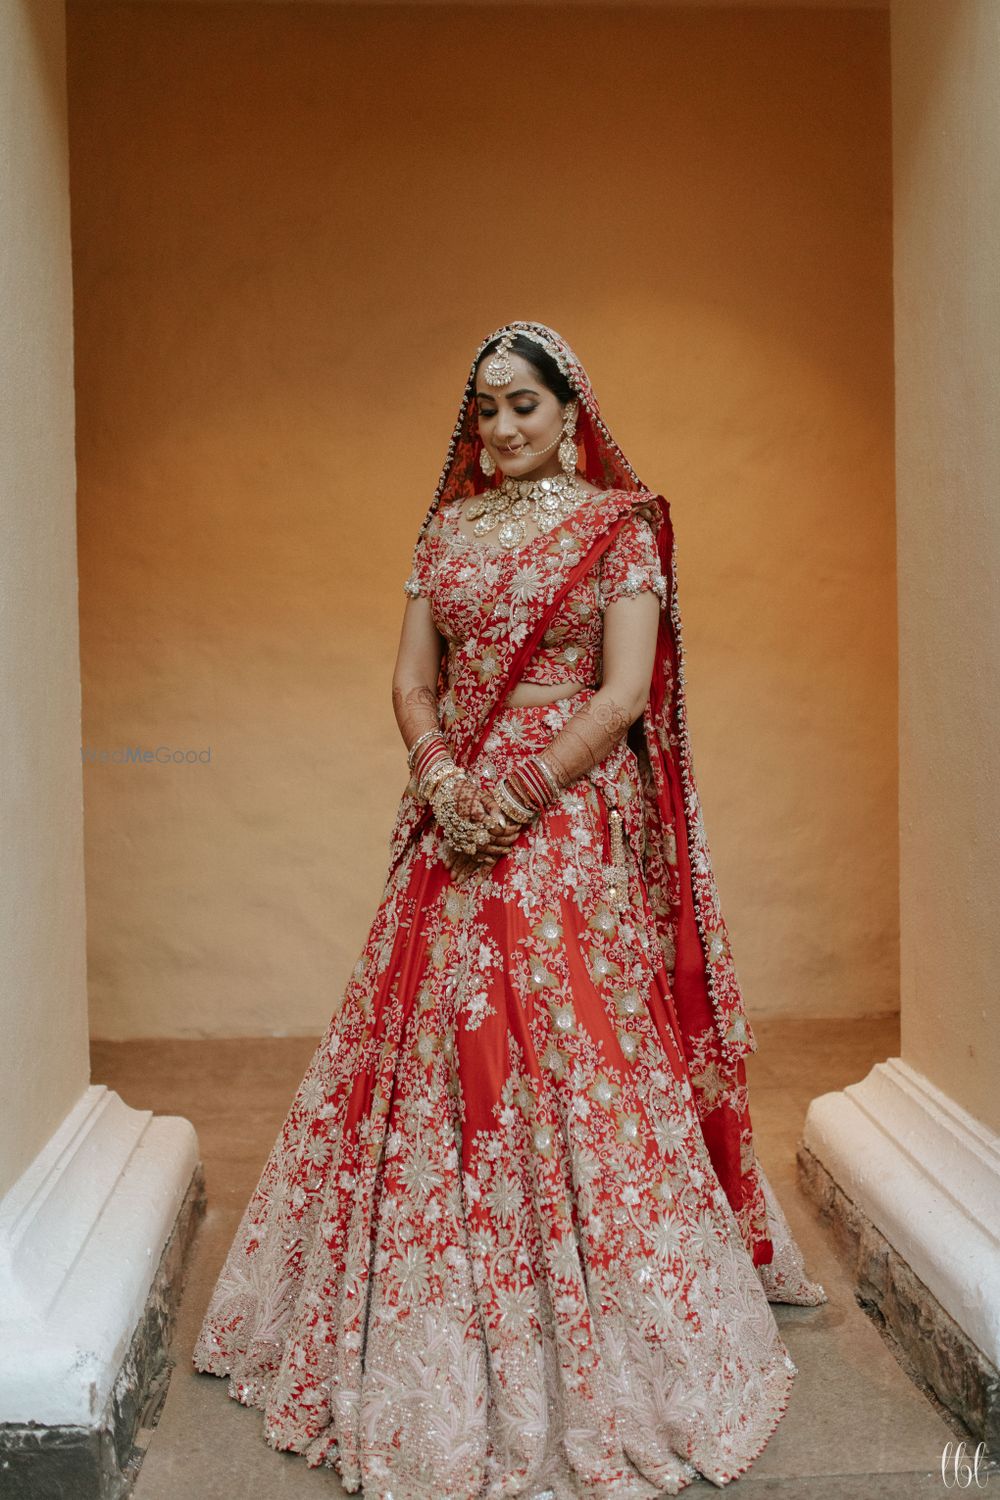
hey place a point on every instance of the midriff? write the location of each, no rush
(527, 693)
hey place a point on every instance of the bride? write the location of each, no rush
(513, 1238)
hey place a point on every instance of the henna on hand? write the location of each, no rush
(468, 800)
(461, 864)
(500, 839)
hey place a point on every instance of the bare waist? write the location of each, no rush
(525, 694)
(528, 693)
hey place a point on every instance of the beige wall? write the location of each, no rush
(43, 1008)
(291, 225)
(946, 84)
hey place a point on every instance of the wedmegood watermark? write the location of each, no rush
(141, 755)
(957, 1473)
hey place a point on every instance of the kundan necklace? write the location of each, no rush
(547, 501)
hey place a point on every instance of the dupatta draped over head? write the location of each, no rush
(714, 1028)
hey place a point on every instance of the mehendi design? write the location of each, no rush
(586, 739)
(416, 710)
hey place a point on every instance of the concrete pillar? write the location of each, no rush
(911, 1154)
(90, 1190)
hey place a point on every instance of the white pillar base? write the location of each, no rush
(927, 1175)
(81, 1237)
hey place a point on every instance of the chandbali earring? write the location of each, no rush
(487, 462)
(567, 448)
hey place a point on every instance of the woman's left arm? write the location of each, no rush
(630, 630)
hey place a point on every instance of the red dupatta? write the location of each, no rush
(715, 1030)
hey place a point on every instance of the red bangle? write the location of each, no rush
(427, 757)
(532, 778)
(529, 783)
(548, 792)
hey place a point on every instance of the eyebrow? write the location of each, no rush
(526, 390)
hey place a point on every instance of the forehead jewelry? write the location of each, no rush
(499, 370)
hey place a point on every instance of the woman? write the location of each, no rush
(513, 1239)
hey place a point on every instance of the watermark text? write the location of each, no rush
(143, 755)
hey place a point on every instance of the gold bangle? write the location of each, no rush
(511, 805)
(436, 776)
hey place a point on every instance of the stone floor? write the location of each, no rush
(855, 1426)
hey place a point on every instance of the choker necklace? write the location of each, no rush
(547, 501)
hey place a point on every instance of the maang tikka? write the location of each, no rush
(499, 370)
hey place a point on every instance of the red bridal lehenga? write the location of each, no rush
(513, 1238)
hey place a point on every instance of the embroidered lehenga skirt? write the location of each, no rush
(489, 1255)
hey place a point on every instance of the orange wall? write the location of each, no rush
(291, 225)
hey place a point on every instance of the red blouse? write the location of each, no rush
(456, 575)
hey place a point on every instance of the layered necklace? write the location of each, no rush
(547, 501)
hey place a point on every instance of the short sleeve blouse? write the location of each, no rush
(631, 565)
(421, 573)
(453, 576)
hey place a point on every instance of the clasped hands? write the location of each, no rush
(475, 802)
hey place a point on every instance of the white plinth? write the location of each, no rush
(927, 1175)
(81, 1236)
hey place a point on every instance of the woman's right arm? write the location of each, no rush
(414, 702)
(414, 679)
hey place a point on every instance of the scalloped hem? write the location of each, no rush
(323, 1451)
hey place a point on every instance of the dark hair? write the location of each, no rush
(540, 360)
